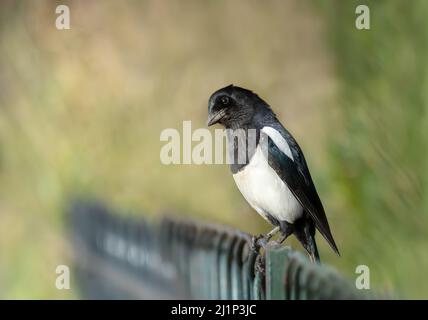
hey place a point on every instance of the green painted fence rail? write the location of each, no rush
(117, 257)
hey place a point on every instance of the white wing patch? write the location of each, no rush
(279, 140)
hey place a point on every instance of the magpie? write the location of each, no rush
(271, 171)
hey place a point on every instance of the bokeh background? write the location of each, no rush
(81, 112)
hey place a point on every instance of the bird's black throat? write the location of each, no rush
(242, 144)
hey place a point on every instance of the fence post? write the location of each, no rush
(276, 260)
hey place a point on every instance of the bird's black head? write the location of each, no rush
(235, 107)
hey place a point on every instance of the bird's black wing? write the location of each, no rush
(302, 187)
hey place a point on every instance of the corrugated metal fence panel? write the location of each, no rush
(130, 258)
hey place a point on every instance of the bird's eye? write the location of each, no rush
(224, 100)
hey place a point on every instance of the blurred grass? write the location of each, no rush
(81, 111)
(378, 165)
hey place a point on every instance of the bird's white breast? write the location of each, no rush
(263, 188)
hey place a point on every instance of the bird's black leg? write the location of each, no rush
(262, 239)
(286, 230)
(271, 233)
(282, 238)
(274, 231)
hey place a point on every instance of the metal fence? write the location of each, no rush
(118, 257)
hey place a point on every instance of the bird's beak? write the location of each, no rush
(214, 118)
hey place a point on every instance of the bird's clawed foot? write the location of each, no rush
(255, 242)
(262, 239)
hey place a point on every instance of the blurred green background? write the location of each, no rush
(81, 111)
